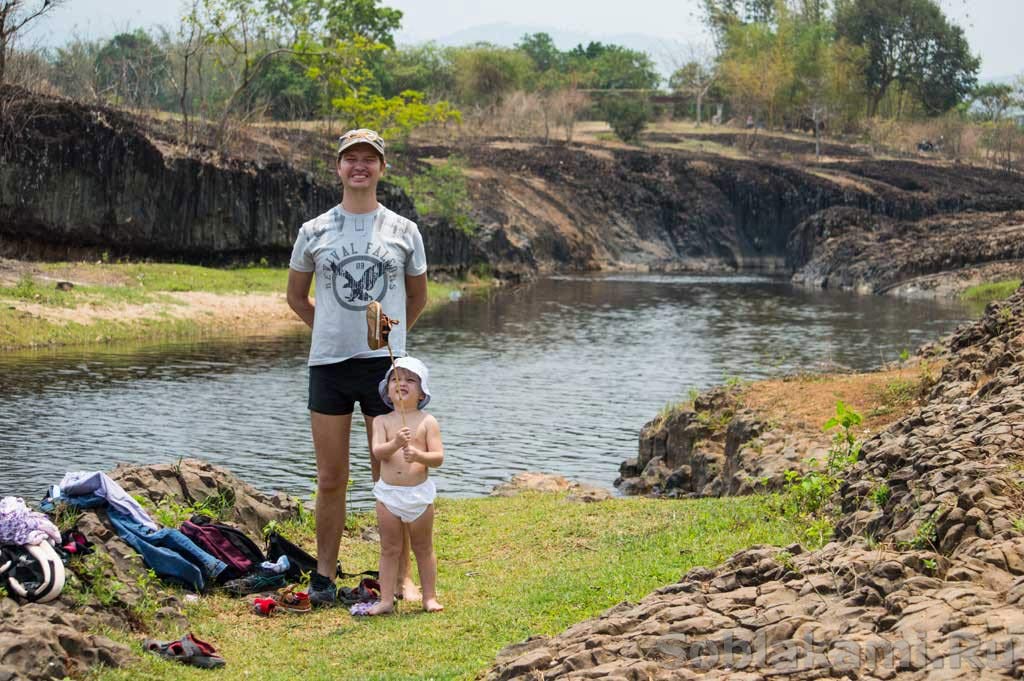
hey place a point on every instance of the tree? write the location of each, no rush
(73, 69)
(758, 69)
(994, 99)
(132, 68)
(722, 15)
(541, 50)
(485, 74)
(286, 89)
(14, 15)
(619, 68)
(365, 18)
(427, 68)
(910, 44)
(695, 76)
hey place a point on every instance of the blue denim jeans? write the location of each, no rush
(167, 551)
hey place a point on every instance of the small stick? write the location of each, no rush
(394, 368)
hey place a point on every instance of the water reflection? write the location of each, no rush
(557, 376)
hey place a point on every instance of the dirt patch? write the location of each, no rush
(11, 271)
(807, 402)
(240, 312)
(761, 142)
(512, 145)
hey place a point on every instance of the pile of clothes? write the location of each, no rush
(29, 563)
(200, 554)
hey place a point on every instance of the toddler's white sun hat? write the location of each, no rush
(409, 364)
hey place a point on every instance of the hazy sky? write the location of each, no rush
(993, 26)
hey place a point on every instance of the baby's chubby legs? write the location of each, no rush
(389, 526)
(421, 535)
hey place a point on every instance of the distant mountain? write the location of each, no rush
(665, 52)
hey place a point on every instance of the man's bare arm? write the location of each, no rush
(415, 297)
(299, 284)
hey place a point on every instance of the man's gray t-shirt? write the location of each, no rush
(357, 259)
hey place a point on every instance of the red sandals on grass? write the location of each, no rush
(187, 650)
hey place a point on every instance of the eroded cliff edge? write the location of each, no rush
(74, 176)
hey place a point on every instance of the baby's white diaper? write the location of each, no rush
(408, 503)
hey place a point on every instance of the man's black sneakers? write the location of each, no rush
(322, 590)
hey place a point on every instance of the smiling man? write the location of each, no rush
(360, 252)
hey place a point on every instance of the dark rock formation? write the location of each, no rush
(848, 248)
(76, 178)
(928, 586)
(584, 208)
(79, 178)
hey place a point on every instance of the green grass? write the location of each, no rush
(145, 283)
(508, 569)
(983, 294)
(20, 330)
(30, 290)
(177, 277)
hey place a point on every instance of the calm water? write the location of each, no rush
(558, 376)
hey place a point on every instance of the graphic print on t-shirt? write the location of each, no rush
(355, 279)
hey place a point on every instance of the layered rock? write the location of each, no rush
(717, 447)
(78, 179)
(929, 585)
(83, 179)
(853, 249)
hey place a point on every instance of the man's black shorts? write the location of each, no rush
(335, 388)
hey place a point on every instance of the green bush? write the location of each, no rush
(627, 116)
(440, 191)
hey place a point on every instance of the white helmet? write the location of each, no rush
(33, 571)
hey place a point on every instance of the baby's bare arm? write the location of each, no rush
(434, 454)
(383, 446)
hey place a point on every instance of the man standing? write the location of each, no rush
(360, 252)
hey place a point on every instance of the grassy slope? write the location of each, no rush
(135, 284)
(508, 569)
(983, 294)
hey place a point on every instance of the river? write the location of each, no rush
(557, 376)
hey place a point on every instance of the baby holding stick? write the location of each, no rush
(407, 443)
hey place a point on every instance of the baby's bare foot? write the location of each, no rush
(381, 608)
(431, 605)
(410, 592)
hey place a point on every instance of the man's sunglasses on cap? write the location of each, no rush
(362, 135)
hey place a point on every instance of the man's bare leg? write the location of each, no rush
(407, 588)
(331, 442)
(390, 528)
(421, 532)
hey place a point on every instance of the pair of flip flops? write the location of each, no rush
(187, 650)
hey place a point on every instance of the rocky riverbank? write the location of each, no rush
(922, 582)
(83, 179)
(745, 438)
